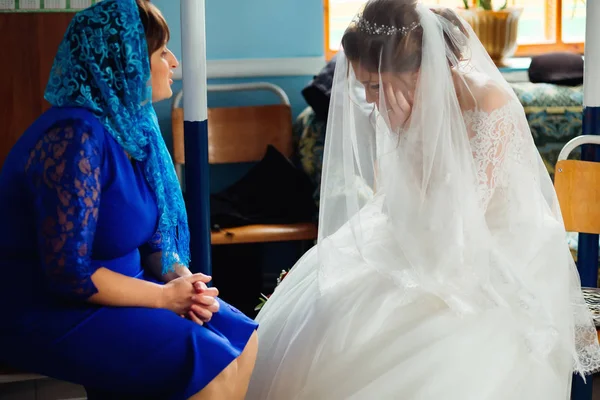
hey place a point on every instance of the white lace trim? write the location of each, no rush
(494, 136)
(496, 142)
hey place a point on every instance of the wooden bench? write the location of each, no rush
(9, 375)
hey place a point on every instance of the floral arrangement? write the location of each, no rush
(487, 4)
(263, 298)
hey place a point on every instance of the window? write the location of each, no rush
(545, 25)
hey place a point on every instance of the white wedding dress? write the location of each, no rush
(467, 292)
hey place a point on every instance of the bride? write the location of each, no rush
(442, 269)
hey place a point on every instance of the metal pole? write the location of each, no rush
(587, 251)
(197, 184)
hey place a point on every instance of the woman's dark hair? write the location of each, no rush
(397, 52)
(155, 25)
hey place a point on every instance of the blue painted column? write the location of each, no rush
(193, 48)
(587, 252)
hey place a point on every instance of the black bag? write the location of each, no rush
(318, 92)
(274, 191)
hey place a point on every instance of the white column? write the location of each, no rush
(591, 79)
(193, 48)
(195, 125)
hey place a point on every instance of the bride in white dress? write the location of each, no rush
(442, 269)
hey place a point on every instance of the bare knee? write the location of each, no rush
(245, 363)
(223, 386)
(248, 357)
(229, 375)
(232, 382)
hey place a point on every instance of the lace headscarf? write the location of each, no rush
(103, 65)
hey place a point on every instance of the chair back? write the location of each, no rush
(239, 134)
(577, 185)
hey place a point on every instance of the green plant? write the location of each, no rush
(263, 298)
(485, 4)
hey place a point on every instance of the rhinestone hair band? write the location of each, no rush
(376, 29)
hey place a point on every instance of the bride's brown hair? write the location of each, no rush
(397, 52)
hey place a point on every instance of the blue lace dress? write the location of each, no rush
(71, 202)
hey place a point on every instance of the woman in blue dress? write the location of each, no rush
(94, 242)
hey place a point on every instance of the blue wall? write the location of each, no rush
(254, 29)
(242, 29)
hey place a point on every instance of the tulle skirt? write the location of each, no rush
(361, 339)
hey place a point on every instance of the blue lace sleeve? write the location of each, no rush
(64, 170)
(154, 245)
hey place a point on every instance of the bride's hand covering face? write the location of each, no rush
(398, 106)
(393, 94)
(384, 50)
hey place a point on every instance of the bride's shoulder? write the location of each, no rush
(492, 110)
(483, 95)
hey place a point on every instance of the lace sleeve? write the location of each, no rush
(492, 133)
(64, 170)
(154, 245)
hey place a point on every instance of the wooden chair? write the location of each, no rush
(577, 185)
(242, 134)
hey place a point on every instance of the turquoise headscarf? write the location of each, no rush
(103, 65)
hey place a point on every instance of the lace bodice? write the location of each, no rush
(494, 137)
